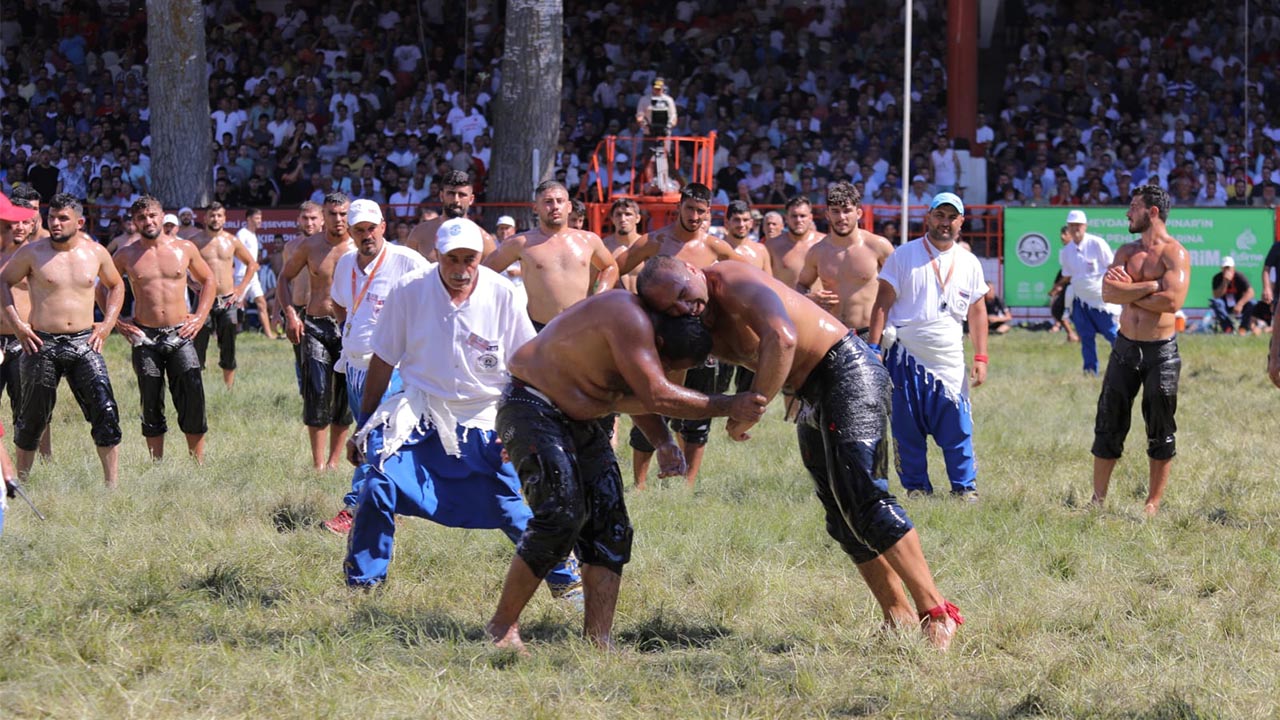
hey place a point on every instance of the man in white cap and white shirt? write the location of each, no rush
(361, 282)
(505, 228)
(928, 288)
(248, 236)
(431, 451)
(1084, 261)
(187, 227)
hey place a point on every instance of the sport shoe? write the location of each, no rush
(916, 494)
(571, 594)
(939, 624)
(968, 496)
(341, 523)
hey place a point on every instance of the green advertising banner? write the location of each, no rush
(1031, 244)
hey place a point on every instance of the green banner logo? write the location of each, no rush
(1032, 242)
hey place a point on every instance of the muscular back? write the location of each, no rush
(744, 302)
(218, 250)
(581, 338)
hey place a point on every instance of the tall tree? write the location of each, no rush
(527, 108)
(181, 149)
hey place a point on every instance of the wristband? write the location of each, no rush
(875, 347)
(980, 359)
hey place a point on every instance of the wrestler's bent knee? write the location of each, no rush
(559, 511)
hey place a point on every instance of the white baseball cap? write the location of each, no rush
(364, 211)
(1228, 261)
(459, 233)
(170, 219)
(506, 220)
(1077, 216)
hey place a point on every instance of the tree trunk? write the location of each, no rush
(181, 146)
(527, 107)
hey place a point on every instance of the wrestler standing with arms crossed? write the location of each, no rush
(1149, 278)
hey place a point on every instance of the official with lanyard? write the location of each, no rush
(361, 282)
(928, 288)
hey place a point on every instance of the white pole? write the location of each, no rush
(1248, 136)
(904, 225)
(535, 170)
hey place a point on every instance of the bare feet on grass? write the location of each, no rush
(939, 625)
(506, 638)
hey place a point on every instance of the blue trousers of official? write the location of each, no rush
(477, 490)
(355, 394)
(1090, 322)
(922, 407)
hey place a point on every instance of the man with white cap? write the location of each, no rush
(187, 227)
(1085, 259)
(505, 228)
(928, 288)
(431, 451)
(170, 224)
(1233, 298)
(361, 282)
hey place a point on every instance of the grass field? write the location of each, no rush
(211, 592)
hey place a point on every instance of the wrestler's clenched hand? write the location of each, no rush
(748, 407)
(670, 460)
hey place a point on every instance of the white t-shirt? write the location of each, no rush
(349, 281)
(1085, 264)
(250, 242)
(930, 320)
(454, 354)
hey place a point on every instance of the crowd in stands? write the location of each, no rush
(378, 99)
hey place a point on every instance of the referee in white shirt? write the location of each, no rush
(361, 282)
(431, 451)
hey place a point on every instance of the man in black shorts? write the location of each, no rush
(1149, 278)
(604, 354)
(61, 337)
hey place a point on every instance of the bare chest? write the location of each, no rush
(851, 266)
(559, 253)
(217, 251)
(694, 252)
(73, 270)
(158, 264)
(1145, 265)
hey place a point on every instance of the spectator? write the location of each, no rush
(1232, 302)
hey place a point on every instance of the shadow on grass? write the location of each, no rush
(659, 633)
(233, 586)
(860, 707)
(1171, 707)
(294, 515)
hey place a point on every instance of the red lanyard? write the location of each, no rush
(356, 299)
